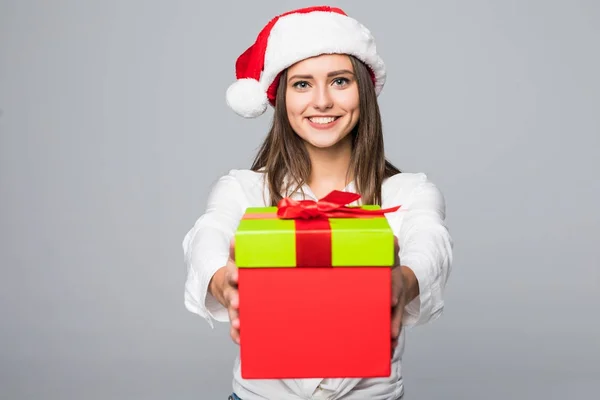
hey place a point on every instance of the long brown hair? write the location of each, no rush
(285, 158)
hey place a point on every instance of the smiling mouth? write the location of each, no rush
(322, 120)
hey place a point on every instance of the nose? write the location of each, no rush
(322, 99)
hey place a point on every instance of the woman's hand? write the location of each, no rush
(224, 287)
(404, 288)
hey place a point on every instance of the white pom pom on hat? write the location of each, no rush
(292, 37)
(247, 97)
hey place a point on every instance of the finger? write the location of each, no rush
(235, 319)
(234, 299)
(233, 310)
(397, 321)
(226, 294)
(396, 286)
(232, 273)
(234, 316)
(235, 335)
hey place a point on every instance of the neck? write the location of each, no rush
(329, 168)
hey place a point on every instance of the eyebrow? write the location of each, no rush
(332, 73)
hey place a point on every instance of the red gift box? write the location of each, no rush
(315, 289)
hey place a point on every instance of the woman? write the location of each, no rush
(321, 72)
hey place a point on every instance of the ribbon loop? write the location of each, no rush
(335, 204)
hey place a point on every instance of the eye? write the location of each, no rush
(300, 85)
(341, 81)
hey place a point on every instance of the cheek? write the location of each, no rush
(294, 112)
(348, 101)
(294, 104)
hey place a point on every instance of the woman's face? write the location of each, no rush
(322, 100)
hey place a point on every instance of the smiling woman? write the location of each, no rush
(326, 109)
(321, 72)
(322, 106)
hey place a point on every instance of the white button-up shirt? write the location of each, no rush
(425, 247)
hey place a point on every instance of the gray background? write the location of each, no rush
(114, 127)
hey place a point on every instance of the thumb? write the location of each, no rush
(232, 249)
(396, 251)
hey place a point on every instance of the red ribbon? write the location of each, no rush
(313, 231)
(334, 205)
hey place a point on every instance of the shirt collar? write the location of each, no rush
(306, 193)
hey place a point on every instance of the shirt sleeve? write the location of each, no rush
(206, 247)
(426, 247)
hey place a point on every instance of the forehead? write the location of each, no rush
(321, 65)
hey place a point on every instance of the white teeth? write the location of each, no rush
(322, 120)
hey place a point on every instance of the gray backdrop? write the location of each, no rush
(114, 127)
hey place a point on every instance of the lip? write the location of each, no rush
(323, 126)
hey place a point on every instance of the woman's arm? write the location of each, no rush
(206, 249)
(425, 250)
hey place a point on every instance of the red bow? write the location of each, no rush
(331, 206)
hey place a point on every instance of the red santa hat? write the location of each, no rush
(292, 37)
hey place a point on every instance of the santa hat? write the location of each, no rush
(292, 37)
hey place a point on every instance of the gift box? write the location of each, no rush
(315, 289)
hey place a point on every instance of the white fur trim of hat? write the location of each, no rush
(292, 37)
